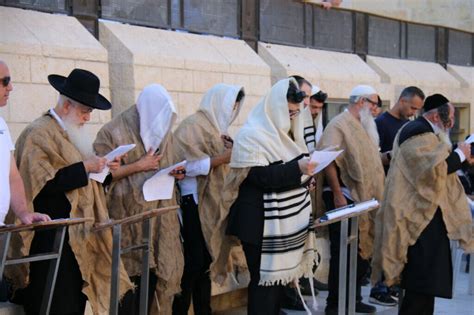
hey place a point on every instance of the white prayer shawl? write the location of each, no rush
(313, 129)
(157, 115)
(288, 246)
(218, 105)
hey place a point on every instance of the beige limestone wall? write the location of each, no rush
(465, 75)
(187, 65)
(35, 44)
(452, 13)
(334, 72)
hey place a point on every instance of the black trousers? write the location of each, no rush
(417, 304)
(196, 282)
(262, 300)
(335, 239)
(130, 303)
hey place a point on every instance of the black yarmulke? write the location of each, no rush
(434, 101)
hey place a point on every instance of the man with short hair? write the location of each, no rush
(424, 207)
(388, 124)
(12, 191)
(356, 175)
(314, 125)
(55, 159)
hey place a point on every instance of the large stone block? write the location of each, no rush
(145, 75)
(203, 81)
(41, 67)
(177, 80)
(16, 37)
(30, 101)
(19, 66)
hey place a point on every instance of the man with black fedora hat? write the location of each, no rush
(424, 207)
(55, 160)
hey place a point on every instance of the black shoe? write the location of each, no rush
(320, 286)
(382, 298)
(291, 299)
(394, 292)
(330, 310)
(305, 287)
(365, 308)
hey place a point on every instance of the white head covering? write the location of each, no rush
(157, 115)
(362, 90)
(218, 105)
(315, 90)
(264, 137)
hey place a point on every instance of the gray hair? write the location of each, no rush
(63, 98)
(354, 99)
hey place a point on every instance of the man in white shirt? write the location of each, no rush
(12, 191)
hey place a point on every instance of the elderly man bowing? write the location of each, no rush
(55, 159)
(424, 207)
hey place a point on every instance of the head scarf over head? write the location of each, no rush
(265, 137)
(157, 115)
(218, 105)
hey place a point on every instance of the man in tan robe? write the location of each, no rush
(424, 206)
(357, 175)
(50, 156)
(203, 141)
(147, 124)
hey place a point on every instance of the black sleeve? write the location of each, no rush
(276, 177)
(68, 178)
(454, 162)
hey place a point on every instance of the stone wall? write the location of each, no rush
(187, 65)
(34, 45)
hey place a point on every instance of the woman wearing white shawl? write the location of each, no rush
(270, 210)
(147, 124)
(202, 140)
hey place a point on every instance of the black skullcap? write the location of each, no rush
(434, 101)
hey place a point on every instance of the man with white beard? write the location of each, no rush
(424, 207)
(54, 158)
(357, 175)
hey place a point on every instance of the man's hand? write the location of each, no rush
(28, 217)
(114, 164)
(149, 161)
(307, 167)
(385, 158)
(178, 173)
(312, 184)
(466, 149)
(228, 142)
(340, 200)
(95, 164)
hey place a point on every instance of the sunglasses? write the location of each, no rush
(5, 81)
(371, 102)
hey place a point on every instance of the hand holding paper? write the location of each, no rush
(111, 156)
(160, 186)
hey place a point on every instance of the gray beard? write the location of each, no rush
(79, 138)
(443, 136)
(369, 125)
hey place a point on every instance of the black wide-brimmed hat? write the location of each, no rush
(81, 86)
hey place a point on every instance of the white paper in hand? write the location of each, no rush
(121, 150)
(160, 186)
(470, 139)
(323, 158)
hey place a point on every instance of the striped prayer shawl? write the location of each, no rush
(309, 134)
(288, 246)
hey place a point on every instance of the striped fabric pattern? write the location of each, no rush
(288, 247)
(309, 134)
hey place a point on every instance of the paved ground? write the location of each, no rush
(461, 304)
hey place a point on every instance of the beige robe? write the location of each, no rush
(417, 184)
(41, 150)
(125, 198)
(360, 168)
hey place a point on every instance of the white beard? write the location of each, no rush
(443, 136)
(369, 125)
(79, 138)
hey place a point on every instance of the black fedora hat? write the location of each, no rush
(81, 86)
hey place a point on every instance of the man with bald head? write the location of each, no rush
(12, 191)
(356, 175)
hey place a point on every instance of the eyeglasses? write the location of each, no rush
(5, 81)
(294, 112)
(371, 102)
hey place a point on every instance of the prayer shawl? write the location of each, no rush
(360, 167)
(125, 198)
(313, 131)
(288, 249)
(42, 149)
(198, 137)
(417, 184)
